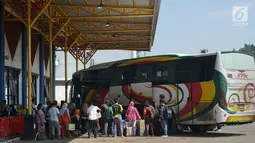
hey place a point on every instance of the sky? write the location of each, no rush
(187, 26)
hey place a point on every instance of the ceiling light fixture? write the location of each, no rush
(107, 24)
(100, 6)
(113, 35)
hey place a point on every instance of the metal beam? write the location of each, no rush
(75, 40)
(15, 13)
(61, 28)
(66, 50)
(128, 48)
(82, 21)
(96, 6)
(111, 31)
(100, 17)
(84, 51)
(2, 53)
(120, 41)
(112, 23)
(77, 58)
(29, 73)
(39, 14)
(51, 60)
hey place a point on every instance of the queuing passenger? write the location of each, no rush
(34, 108)
(117, 110)
(47, 117)
(107, 117)
(149, 115)
(103, 121)
(84, 118)
(71, 107)
(64, 120)
(56, 103)
(75, 118)
(4, 109)
(132, 116)
(40, 122)
(13, 111)
(165, 114)
(54, 122)
(61, 103)
(94, 115)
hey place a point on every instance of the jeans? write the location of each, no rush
(54, 126)
(107, 130)
(114, 125)
(93, 127)
(164, 124)
(84, 125)
(149, 126)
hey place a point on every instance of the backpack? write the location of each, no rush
(167, 112)
(152, 111)
(116, 109)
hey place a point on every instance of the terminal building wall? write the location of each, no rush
(13, 63)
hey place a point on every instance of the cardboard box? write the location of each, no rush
(140, 127)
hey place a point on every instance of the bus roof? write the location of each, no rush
(109, 64)
(97, 67)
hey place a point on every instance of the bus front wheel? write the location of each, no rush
(198, 128)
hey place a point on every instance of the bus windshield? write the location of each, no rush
(238, 61)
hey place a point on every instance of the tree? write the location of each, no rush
(204, 51)
(248, 49)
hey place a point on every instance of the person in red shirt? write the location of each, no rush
(149, 114)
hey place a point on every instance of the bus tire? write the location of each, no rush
(198, 128)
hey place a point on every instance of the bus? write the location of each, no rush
(205, 90)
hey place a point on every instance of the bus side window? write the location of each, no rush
(184, 71)
(123, 76)
(164, 73)
(143, 73)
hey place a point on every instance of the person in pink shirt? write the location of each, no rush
(132, 116)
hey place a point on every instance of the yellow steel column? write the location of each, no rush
(66, 50)
(29, 67)
(50, 50)
(77, 59)
(84, 59)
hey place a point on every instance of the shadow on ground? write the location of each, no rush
(126, 139)
(208, 134)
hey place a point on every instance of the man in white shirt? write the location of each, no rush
(94, 114)
(54, 125)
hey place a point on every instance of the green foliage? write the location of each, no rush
(204, 51)
(248, 49)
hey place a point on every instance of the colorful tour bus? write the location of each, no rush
(204, 90)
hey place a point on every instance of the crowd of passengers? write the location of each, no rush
(53, 120)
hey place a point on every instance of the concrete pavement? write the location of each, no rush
(233, 134)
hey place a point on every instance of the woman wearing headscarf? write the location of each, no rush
(132, 116)
(40, 122)
(64, 120)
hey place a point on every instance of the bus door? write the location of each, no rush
(185, 106)
(184, 79)
(120, 85)
(141, 87)
(85, 88)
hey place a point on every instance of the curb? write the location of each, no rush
(10, 140)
